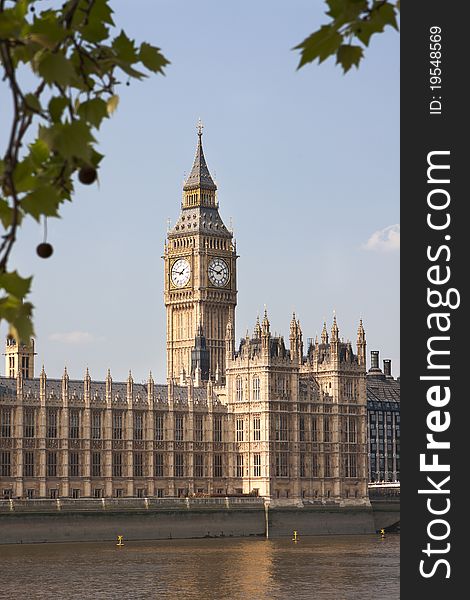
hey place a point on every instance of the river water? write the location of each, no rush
(320, 568)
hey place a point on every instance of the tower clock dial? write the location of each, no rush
(219, 273)
(180, 272)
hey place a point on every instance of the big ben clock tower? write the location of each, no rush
(200, 279)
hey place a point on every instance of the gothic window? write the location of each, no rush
(51, 464)
(327, 463)
(302, 429)
(11, 366)
(117, 425)
(327, 436)
(28, 464)
(217, 465)
(239, 465)
(117, 464)
(302, 468)
(179, 465)
(25, 367)
(74, 464)
(138, 425)
(256, 465)
(5, 422)
(29, 418)
(138, 464)
(217, 434)
(239, 430)
(350, 465)
(96, 425)
(315, 466)
(281, 464)
(51, 422)
(239, 389)
(5, 464)
(96, 464)
(198, 465)
(281, 428)
(352, 430)
(256, 429)
(158, 427)
(198, 428)
(256, 388)
(74, 423)
(179, 431)
(158, 465)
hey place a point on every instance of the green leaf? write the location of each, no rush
(387, 15)
(124, 48)
(55, 68)
(14, 284)
(6, 213)
(39, 152)
(129, 70)
(348, 56)
(94, 31)
(346, 11)
(93, 111)
(23, 175)
(112, 104)
(45, 200)
(321, 44)
(10, 24)
(70, 140)
(102, 12)
(18, 314)
(47, 30)
(56, 107)
(32, 103)
(151, 57)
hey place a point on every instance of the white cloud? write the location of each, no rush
(384, 240)
(74, 337)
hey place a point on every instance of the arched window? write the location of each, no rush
(256, 388)
(239, 389)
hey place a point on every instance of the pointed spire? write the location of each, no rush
(65, 375)
(257, 330)
(334, 330)
(199, 176)
(324, 334)
(293, 324)
(361, 334)
(129, 377)
(265, 327)
(197, 375)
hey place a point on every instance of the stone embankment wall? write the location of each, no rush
(46, 524)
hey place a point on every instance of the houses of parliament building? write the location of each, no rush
(265, 417)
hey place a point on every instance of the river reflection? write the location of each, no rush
(330, 567)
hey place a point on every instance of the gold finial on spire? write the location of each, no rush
(200, 127)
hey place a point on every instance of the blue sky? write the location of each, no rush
(307, 167)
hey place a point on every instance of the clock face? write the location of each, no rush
(180, 272)
(219, 273)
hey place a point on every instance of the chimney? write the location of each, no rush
(374, 359)
(387, 367)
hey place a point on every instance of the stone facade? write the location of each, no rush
(262, 419)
